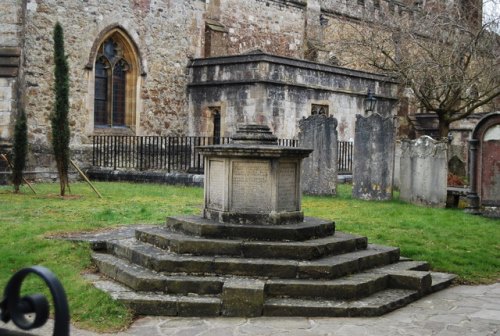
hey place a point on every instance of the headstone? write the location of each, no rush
(320, 169)
(424, 171)
(373, 158)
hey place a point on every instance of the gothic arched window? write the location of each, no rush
(112, 106)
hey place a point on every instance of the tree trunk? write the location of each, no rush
(443, 129)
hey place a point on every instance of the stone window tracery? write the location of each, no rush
(115, 78)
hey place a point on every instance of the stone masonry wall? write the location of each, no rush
(167, 35)
(10, 43)
(279, 92)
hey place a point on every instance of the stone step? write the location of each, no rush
(354, 286)
(303, 250)
(154, 303)
(308, 229)
(143, 279)
(158, 303)
(374, 305)
(330, 267)
(441, 281)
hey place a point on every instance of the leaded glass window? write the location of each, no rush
(110, 85)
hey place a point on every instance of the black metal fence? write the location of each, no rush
(173, 154)
(344, 153)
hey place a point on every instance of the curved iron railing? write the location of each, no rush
(14, 308)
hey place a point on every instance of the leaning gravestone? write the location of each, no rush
(319, 170)
(373, 158)
(424, 171)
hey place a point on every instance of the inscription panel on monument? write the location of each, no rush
(217, 185)
(287, 186)
(251, 186)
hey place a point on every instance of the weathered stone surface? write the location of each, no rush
(306, 250)
(253, 181)
(279, 92)
(319, 170)
(308, 229)
(242, 298)
(424, 171)
(373, 157)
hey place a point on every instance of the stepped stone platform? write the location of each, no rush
(253, 252)
(196, 267)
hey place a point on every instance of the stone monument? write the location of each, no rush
(253, 180)
(253, 252)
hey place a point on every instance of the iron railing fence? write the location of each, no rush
(173, 153)
(344, 155)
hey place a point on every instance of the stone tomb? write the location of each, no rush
(253, 253)
(252, 180)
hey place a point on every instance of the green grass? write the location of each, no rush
(449, 239)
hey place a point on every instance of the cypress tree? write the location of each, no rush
(20, 150)
(60, 127)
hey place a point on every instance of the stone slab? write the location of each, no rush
(309, 228)
(243, 297)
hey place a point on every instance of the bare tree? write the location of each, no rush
(443, 52)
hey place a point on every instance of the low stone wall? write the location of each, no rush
(424, 171)
(145, 176)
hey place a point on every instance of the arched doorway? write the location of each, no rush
(485, 162)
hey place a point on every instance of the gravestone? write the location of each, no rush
(373, 158)
(320, 169)
(424, 171)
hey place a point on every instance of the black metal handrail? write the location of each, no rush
(14, 308)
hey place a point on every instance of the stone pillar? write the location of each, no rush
(320, 169)
(373, 158)
(472, 196)
(424, 171)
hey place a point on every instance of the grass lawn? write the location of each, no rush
(450, 240)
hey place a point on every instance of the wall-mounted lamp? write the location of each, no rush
(323, 20)
(370, 102)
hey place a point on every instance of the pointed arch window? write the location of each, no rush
(112, 73)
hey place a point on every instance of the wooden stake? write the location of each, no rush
(6, 159)
(85, 178)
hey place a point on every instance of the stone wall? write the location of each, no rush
(424, 171)
(373, 157)
(10, 52)
(168, 34)
(319, 170)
